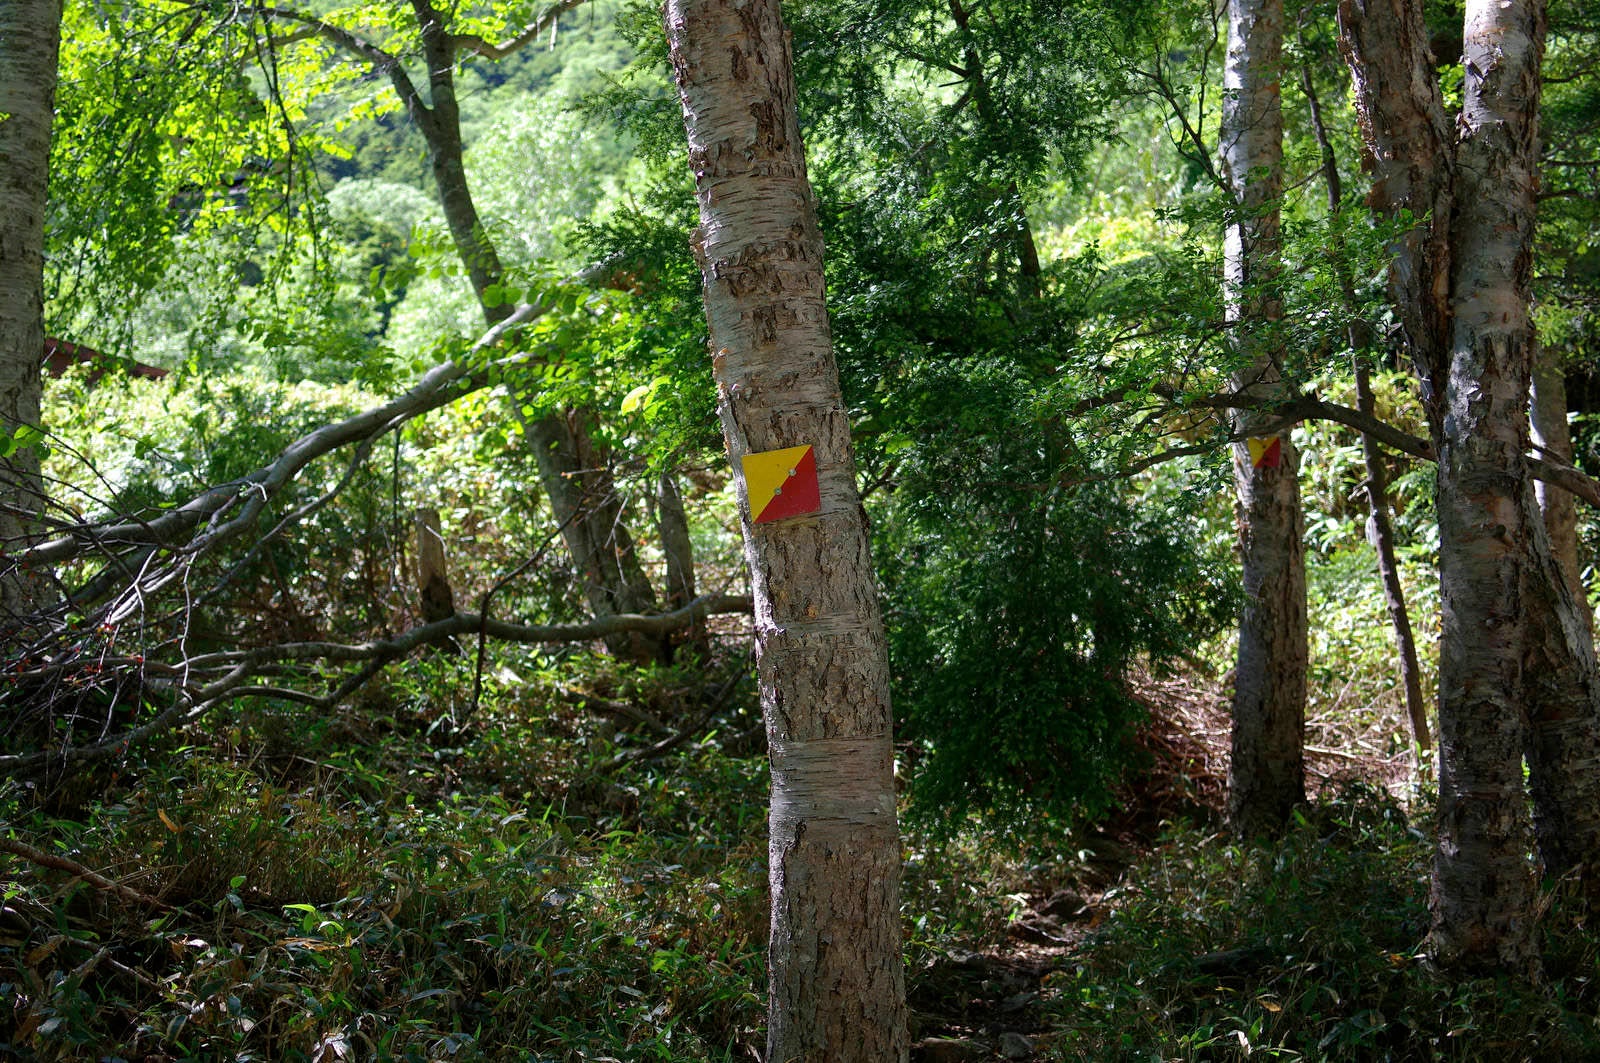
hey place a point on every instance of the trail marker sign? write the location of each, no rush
(1266, 453)
(781, 483)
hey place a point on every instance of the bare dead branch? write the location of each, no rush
(438, 387)
(72, 867)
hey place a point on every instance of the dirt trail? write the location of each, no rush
(984, 1005)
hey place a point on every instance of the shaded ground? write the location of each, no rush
(984, 1004)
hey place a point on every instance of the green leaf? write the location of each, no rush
(635, 398)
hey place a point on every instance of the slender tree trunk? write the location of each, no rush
(1267, 772)
(1553, 435)
(1562, 691)
(1563, 687)
(676, 545)
(573, 472)
(677, 549)
(1380, 529)
(836, 981)
(1380, 533)
(30, 38)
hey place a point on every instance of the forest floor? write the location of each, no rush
(371, 885)
(985, 1003)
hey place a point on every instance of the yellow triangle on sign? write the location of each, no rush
(766, 473)
(1265, 452)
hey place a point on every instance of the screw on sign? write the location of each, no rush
(781, 483)
(1266, 453)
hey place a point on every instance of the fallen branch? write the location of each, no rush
(438, 387)
(72, 867)
(231, 674)
(657, 624)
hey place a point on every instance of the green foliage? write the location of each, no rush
(1306, 950)
(444, 867)
(413, 925)
(989, 558)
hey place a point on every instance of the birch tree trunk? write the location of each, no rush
(836, 982)
(1482, 882)
(1517, 673)
(1266, 775)
(30, 38)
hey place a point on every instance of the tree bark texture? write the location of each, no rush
(30, 38)
(1266, 775)
(1410, 146)
(1560, 669)
(1517, 674)
(1482, 884)
(435, 600)
(835, 972)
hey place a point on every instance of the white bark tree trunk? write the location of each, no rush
(1266, 776)
(836, 981)
(1517, 668)
(30, 37)
(1483, 884)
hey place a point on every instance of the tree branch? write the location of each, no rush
(471, 42)
(1308, 407)
(439, 386)
(383, 62)
(72, 867)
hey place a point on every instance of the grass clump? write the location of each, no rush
(1310, 949)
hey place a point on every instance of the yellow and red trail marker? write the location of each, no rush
(1266, 453)
(781, 483)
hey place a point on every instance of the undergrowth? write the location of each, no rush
(402, 884)
(1310, 949)
(400, 900)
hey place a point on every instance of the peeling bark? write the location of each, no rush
(1517, 674)
(836, 980)
(30, 38)
(1410, 150)
(1266, 775)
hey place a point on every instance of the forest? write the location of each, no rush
(833, 531)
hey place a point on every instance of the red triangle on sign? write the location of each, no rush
(1271, 455)
(798, 495)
